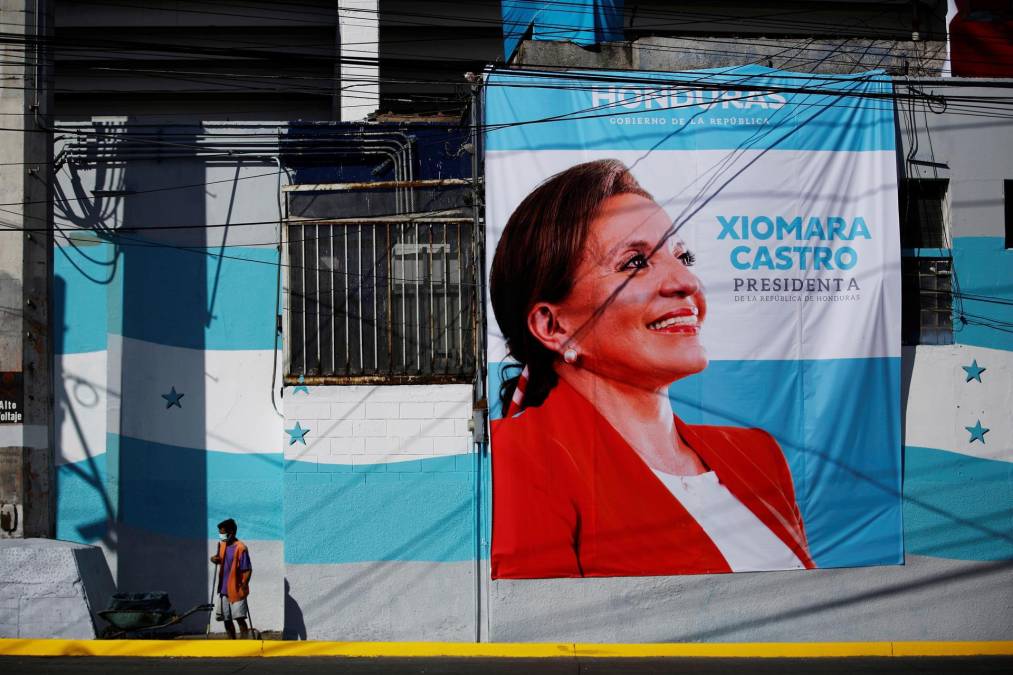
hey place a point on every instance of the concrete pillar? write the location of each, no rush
(358, 40)
(26, 250)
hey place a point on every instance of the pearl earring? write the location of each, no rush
(570, 356)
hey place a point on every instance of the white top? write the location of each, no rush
(745, 542)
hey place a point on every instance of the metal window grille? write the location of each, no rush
(923, 212)
(927, 301)
(926, 276)
(1007, 194)
(381, 300)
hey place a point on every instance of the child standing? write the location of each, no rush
(234, 579)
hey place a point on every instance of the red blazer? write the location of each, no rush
(571, 498)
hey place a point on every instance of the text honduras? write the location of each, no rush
(798, 228)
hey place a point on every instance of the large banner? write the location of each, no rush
(694, 327)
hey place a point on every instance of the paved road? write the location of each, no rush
(15, 665)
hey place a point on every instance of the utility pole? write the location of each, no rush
(26, 255)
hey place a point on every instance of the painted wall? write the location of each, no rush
(381, 507)
(164, 361)
(375, 527)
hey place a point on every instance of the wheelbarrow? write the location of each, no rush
(136, 612)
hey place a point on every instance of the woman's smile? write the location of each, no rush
(682, 321)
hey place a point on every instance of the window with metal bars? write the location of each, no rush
(1007, 193)
(927, 265)
(381, 300)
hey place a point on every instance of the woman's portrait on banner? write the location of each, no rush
(594, 472)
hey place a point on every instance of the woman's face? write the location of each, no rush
(636, 308)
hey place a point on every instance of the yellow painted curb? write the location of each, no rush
(418, 649)
(145, 648)
(953, 648)
(732, 650)
(282, 648)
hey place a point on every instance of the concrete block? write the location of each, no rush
(348, 446)
(451, 445)
(347, 411)
(382, 444)
(370, 428)
(438, 427)
(452, 410)
(416, 411)
(367, 464)
(460, 393)
(329, 393)
(327, 467)
(302, 464)
(381, 458)
(418, 445)
(440, 465)
(337, 428)
(377, 477)
(50, 588)
(46, 611)
(314, 477)
(295, 409)
(381, 411)
(413, 466)
(404, 427)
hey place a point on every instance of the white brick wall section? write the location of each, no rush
(307, 410)
(381, 411)
(361, 425)
(348, 446)
(370, 428)
(416, 411)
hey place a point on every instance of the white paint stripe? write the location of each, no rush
(941, 402)
(82, 398)
(226, 404)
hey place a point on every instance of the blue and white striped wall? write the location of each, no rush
(165, 352)
(376, 523)
(381, 507)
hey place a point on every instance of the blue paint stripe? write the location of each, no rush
(423, 513)
(983, 308)
(82, 274)
(208, 299)
(170, 490)
(957, 506)
(844, 455)
(837, 120)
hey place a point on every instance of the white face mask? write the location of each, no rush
(223, 537)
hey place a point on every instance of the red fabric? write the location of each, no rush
(571, 498)
(981, 39)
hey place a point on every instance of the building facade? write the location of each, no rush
(265, 310)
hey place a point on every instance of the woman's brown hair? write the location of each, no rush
(537, 257)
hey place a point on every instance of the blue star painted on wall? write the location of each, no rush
(297, 433)
(172, 399)
(977, 433)
(974, 371)
(301, 386)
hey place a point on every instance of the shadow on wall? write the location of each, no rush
(150, 498)
(295, 626)
(163, 300)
